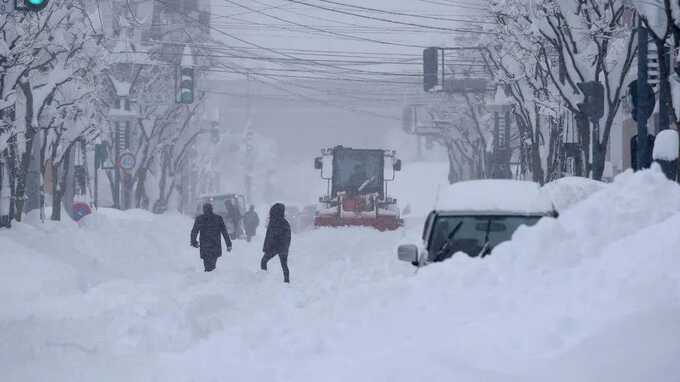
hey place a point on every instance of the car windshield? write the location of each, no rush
(358, 171)
(473, 235)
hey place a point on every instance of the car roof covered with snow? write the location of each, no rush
(214, 196)
(495, 196)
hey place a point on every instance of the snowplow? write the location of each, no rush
(357, 188)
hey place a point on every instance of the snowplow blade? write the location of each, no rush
(381, 223)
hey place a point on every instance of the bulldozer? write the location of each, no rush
(357, 188)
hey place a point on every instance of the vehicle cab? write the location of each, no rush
(475, 216)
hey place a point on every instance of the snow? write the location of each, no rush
(591, 295)
(418, 185)
(666, 145)
(495, 195)
(568, 191)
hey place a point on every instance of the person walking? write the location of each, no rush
(250, 222)
(210, 227)
(277, 240)
(234, 217)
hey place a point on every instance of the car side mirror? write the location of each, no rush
(397, 165)
(318, 163)
(408, 252)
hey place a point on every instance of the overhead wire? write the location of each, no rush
(294, 59)
(335, 10)
(383, 11)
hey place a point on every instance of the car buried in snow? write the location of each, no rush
(474, 217)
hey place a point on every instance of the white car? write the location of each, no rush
(475, 216)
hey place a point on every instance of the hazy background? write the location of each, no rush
(342, 100)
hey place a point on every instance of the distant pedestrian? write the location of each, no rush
(250, 222)
(277, 240)
(234, 217)
(210, 226)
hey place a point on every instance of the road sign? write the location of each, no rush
(126, 161)
(81, 210)
(30, 5)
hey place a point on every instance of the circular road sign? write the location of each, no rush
(126, 161)
(81, 210)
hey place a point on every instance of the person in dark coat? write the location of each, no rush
(210, 226)
(277, 240)
(234, 216)
(250, 222)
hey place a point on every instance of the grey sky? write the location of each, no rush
(326, 114)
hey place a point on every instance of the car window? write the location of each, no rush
(474, 234)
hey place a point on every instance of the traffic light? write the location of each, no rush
(593, 101)
(642, 107)
(430, 68)
(30, 5)
(185, 85)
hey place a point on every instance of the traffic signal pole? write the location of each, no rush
(643, 149)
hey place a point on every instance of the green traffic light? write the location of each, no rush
(35, 5)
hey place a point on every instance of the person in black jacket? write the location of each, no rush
(277, 240)
(211, 227)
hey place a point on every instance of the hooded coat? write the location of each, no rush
(210, 226)
(277, 239)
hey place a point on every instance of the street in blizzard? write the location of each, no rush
(335, 190)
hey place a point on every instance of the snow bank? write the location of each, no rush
(568, 191)
(495, 195)
(591, 295)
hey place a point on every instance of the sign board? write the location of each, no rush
(81, 210)
(127, 161)
(466, 85)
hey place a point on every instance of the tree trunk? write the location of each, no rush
(454, 174)
(57, 193)
(160, 205)
(141, 198)
(583, 127)
(28, 152)
(60, 187)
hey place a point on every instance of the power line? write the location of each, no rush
(324, 30)
(388, 20)
(401, 13)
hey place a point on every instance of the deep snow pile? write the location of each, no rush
(568, 191)
(593, 295)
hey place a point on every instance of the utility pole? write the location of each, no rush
(643, 149)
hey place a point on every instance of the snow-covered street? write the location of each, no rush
(441, 190)
(591, 296)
